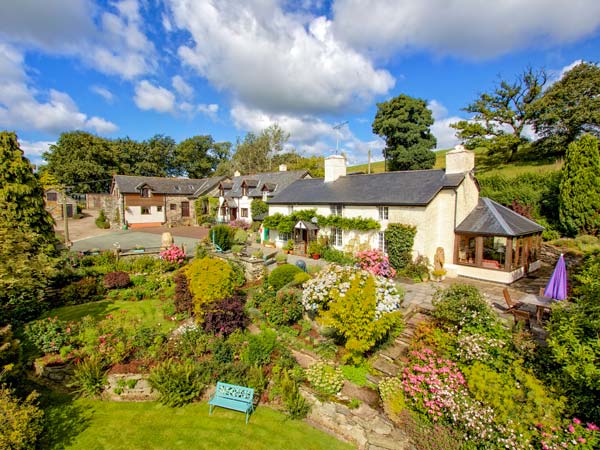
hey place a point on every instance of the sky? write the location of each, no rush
(181, 68)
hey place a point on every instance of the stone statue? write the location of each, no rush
(166, 240)
(438, 260)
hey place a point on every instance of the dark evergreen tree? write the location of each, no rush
(404, 122)
(579, 198)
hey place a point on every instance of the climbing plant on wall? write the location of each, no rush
(285, 223)
(400, 239)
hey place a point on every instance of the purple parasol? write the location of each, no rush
(557, 286)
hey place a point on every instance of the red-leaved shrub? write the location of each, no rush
(225, 316)
(116, 280)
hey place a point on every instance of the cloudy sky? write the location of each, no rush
(225, 67)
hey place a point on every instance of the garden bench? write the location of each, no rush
(230, 396)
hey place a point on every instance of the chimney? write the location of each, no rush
(459, 160)
(335, 167)
(282, 167)
(236, 173)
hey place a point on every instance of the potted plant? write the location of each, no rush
(315, 249)
(438, 274)
(280, 259)
(288, 247)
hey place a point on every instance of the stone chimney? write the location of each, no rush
(335, 167)
(282, 167)
(459, 160)
(236, 173)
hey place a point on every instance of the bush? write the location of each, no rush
(89, 377)
(20, 421)
(400, 240)
(376, 262)
(258, 208)
(83, 291)
(177, 383)
(101, 221)
(173, 254)
(260, 348)
(300, 278)
(225, 316)
(295, 404)
(239, 224)
(283, 275)
(417, 270)
(48, 335)
(222, 235)
(184, 301)
(324, 378)
(240, 236)
(116, 280)
(283, 308)
(331, 254)
(238, 275)
(209, 279)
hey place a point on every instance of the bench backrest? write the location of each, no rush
(233, 392)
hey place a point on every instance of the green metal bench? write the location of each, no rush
(230, 396)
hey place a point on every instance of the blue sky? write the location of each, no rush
(185, 67)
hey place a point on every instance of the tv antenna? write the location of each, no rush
(337, 129)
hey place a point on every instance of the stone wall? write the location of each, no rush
(253, 267)
(129, 387)
(174, 216)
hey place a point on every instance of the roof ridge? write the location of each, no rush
(514, 212)
(492, 207)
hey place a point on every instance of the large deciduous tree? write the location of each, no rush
(256, 152)
(404, 122)
(579, 197)
(570, 107)
(198, 156)
(500, 117)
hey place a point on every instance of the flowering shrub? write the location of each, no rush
(471, 348)
(573, 435)
(324, 378)
(239, 223)
(282, 308)
(173, 254)
(49, 335)
(116, 280)
(225, 316)
(376, 262)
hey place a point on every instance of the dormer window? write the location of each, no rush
(244, 190)
(145, 192)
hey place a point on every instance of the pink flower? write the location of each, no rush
(571, 429)
(581, 440)
(576, 421)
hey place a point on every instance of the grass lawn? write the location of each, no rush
(150, 311)
(97, 425)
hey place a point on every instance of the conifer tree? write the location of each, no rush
(579, 198)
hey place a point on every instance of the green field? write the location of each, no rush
(484, 165)
(97, 425)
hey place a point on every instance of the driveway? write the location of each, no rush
(130, 239)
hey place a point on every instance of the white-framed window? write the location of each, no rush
(285, 236)
(145, 210)
(244, 212)
(336, 210)
(337, 237)
(381, 244)
(383, 213)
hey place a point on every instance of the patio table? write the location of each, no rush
(540, 302)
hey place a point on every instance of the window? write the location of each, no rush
(285, 236)
(244, 212)
(145, 210)
(494, 252)
(51, 196)
(185, 209)
(337, 237)
(336, 210)
(244, 190)
(159, 209)
(383, 213)
(381, 244)
(172, 206)
(466, 249)
(145, 192)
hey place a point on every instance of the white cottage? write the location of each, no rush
(480, 238)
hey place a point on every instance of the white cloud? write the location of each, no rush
(475, 29)
(445, 135)
(103, 92)
(34, 149)
(182, 88)
(21, 107)
(210, 110)
(148, 96)
(273, 60)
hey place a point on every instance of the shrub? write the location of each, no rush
(260, 347)
(48, 335)
(331, 254)
(225, 316)
(183, 297)
(258, 208)
(20, 421)
(177, 383)
(400, 240)
(295, 404)
(237, 248)
(376, 262)
(239, 224)
(83, 291)
(209, 279)
(89, 377)
(417, 270)
(222, 235)
(300, 278)
(238, 275)
(282, 275)
(101, 221)
(240, 236)
(173, 254)
(116, 280)
(283, 308)
(324, 378)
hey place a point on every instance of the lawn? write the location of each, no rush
(98, 425)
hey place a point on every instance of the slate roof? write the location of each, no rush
(413, 187)
(491, 218)
(193, 187)
(276, 181)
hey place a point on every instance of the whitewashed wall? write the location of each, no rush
(133, 215)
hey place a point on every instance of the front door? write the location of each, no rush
(185, 209)
(69, 210)
(233, 214)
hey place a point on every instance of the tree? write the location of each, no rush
(84, 161)
(21, 194)
(192, 156)
(570, 107)
(500, 116)
(404, 122)
(294, 161)
(256, 152)
(579, 196)
(159, 158)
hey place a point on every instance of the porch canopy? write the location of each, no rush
(495, 237)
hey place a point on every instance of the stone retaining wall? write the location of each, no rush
(129, 387)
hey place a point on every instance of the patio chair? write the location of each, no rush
(522, 316)
(512, 305)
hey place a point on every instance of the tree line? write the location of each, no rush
(87, 162)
